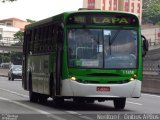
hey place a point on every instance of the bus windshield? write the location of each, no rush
(102, 48)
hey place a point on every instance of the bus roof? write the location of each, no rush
(60, 17)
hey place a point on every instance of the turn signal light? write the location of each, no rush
(135, 75)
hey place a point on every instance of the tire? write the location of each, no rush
(12, 78)
(79, 100)
(33, 97)
(42, 98)
(58, 102)
(119, 103)
(51, 85)
(90, 101)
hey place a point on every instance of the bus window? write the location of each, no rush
(82, 48)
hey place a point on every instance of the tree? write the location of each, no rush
(16, 58)
(147, 3)
(152, 14)
(19, 36)
(30, 21)
(8, 0)
(151, 11)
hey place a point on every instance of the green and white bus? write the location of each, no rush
(85, 55)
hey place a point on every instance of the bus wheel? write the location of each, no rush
(90, 101)
(12, 78)
(33, 97)
(119, 103)
(42, 98)
(57, 102)
(79, 101)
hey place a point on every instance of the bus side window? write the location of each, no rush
(31, 47)
(38, 40)
(60, 33)
(27, 40)
(35, 42)
(50, 36)
(54, 37)
(41, 40)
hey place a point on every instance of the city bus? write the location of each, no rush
(85, 56)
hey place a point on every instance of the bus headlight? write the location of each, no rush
(73, 78)
(131, 79)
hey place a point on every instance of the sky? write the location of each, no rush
(37, 9)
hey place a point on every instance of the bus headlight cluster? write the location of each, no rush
(134, 77)
(131, 79)
(73, 78)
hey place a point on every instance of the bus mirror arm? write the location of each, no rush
(145, 46)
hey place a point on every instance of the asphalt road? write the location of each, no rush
(15, 105)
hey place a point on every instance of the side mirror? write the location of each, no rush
(145, 45)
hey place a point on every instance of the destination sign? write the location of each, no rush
(98, 19)
(110, 20)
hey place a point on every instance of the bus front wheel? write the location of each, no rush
(119, 103)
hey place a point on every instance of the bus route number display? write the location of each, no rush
(80, 19)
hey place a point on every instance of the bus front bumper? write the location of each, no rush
(76, 89)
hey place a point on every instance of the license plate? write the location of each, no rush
(103, 89)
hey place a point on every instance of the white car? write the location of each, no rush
(15, 72)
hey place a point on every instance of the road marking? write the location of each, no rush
(21, 95)
(37, 110)
(72, 112)
(134, 103)
(79, 115)
(34, 109)
(151, 95)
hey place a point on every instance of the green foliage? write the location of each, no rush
(8, 0)
(19, 36)
(4, 57)
(151, 11)
(158, 23)
(13, 57)
(16, 58)
(30, 21)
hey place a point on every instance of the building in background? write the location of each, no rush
(134, 6)
(14, 22)
(152, 35)
(8, 27)
(7, 35)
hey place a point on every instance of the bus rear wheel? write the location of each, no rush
(42, 98)
(33, 97)
(58, 102)
(119, 103)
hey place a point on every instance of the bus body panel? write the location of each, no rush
(73, 88)
(41, 68)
